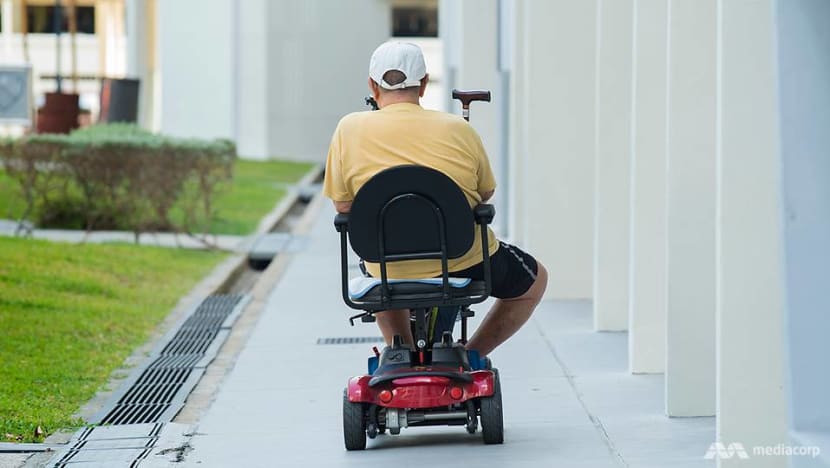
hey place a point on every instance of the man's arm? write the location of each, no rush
(343, 206)
(334, 186)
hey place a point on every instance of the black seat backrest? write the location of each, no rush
(410, 212)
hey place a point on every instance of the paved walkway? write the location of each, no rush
(568, 398)
(161, 239)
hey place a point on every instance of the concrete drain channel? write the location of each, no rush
(138, 420)
(126, 432)
(159, 391)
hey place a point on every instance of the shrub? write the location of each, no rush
(118, 176)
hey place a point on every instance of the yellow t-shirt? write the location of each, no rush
(366, 143)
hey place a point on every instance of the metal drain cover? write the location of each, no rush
(156, 392)
(350, 340)
(129, 445)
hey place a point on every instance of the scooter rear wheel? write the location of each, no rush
(354, 424)
(491, 414)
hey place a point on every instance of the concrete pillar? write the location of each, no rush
(690, 350)
(558, 102)
(469, 29)
(804, 96)
(517, 155)
(647, 282)
(251, 79)
(613, 161)
(750, 397)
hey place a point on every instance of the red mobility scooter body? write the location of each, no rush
(408, 213)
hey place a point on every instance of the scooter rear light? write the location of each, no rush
(385, 396)
(456, 393)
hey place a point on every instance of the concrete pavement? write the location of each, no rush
(569, 400)
(9, 228)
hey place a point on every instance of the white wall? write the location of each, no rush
(275, 75)
(751, 407)
(195, 46)
(469, 30)
(690, 351)
(557, 80)
(317, 68)
(252, 90)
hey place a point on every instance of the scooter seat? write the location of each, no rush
(369, 289)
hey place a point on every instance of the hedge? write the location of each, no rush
(118, 176)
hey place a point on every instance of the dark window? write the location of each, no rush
(41, 19)
(415, 22)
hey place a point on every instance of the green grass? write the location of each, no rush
(69, 316)
(256, 188)
(11, 201)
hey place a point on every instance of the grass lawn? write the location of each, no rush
(11, 203)
(256, 188)
(69, 316)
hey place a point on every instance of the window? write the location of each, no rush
(40, 19)
(414, 22)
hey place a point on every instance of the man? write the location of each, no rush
(402, 132)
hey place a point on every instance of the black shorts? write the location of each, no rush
(512, 271)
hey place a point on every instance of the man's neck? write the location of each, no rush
(390, 99)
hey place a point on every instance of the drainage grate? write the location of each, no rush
(159, 391)
(127, 446)
(349, 340)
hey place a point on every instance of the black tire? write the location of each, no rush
(354, 424)
(492, 415)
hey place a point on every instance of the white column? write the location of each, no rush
(196, 68)
(517, 130)
(8, 27)
(647, 311)
(804, 100)
(558, 102)
(140, 56)
(613, 161)
(690, 350)
(251, 79)
(750, 398)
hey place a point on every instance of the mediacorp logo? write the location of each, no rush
(736, 449)
(726, 451)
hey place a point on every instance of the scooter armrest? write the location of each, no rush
(341, 221)
(484, 213)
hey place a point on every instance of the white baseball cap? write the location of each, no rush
(404, 57)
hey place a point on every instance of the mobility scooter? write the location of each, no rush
(410, 213)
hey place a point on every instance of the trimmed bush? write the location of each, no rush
(118, 176)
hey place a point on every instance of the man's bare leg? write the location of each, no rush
(507, 316)
(395, 322)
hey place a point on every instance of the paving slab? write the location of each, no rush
(568, 398)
